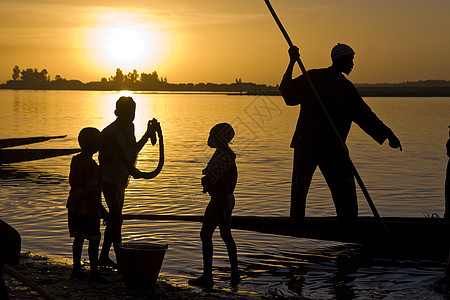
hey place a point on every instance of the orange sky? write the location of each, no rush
(219, 41)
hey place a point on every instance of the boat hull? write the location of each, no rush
(407, 235)
(6, 143)
(19, 155)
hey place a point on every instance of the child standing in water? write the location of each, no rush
(85, 204)
(219, 181)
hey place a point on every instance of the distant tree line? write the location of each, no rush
(30, 75)
(40, 80)
(132, 79)
(34, 79)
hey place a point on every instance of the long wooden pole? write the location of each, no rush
(13, 273)
(330, 122)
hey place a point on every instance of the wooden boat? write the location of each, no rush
(18, 155)
(6, 143)
(407, 235)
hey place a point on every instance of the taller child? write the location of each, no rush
(117, 157)
(315, 143)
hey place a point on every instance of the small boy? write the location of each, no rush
(219, 181)
(85, 204)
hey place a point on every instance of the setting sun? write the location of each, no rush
(125, 45)
(122, 40)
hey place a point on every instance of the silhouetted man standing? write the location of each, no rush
(315, 143)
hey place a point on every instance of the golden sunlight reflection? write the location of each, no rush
(126, 41)
(125, 93)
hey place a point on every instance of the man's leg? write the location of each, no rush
(341, 182)
(303, 170)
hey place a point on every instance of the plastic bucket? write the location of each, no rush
(141, 263)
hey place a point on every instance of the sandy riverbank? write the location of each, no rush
(53, 276)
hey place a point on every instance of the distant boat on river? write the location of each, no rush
(19, 155)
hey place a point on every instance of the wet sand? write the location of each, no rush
(53, 276)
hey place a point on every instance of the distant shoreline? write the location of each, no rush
(363, 91)
(32, 79)
(430, 88)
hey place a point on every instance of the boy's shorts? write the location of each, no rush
(88, 226)
(219, 210)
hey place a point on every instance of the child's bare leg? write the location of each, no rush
(206, 233)
(93, 254)
(114, 199)
(109, 237)
(77, 248)
(207, 248)
(225, 234)
(107, 242)
(206, 280)
(94, 276)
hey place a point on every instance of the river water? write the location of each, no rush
(33, 195)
